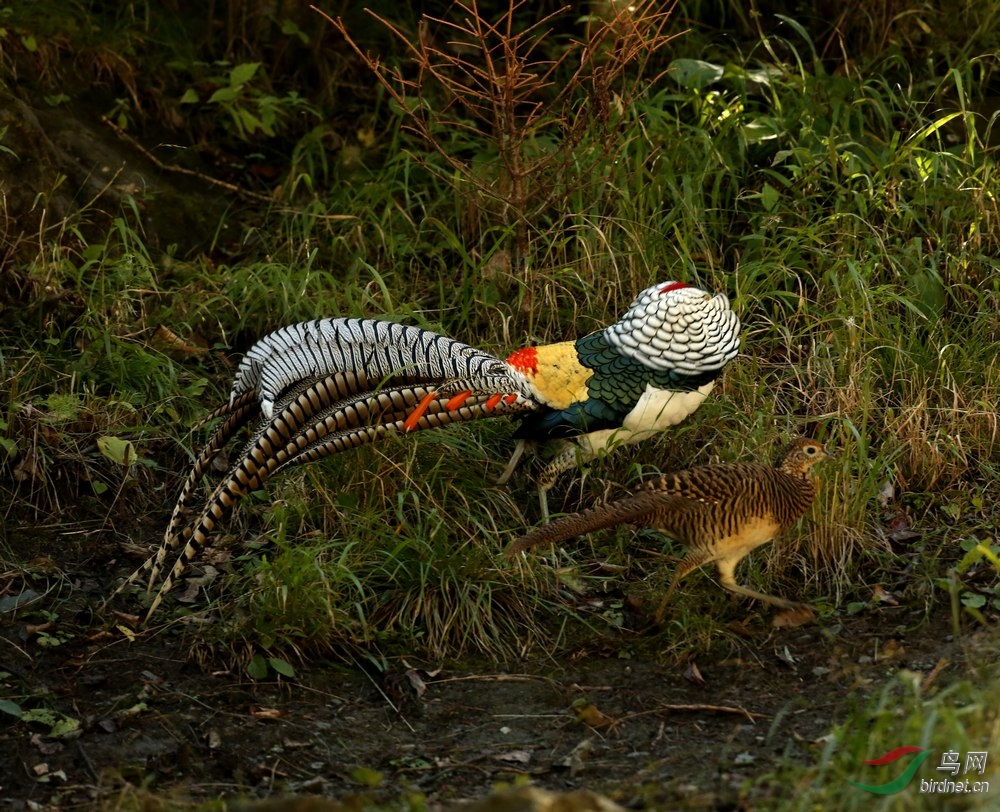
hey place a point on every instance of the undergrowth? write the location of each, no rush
(958, 719)
(837, 178)
(851, 219)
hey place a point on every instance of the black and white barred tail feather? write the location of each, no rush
(316, 422)
(354, 370)
(274, 444)
(238, 413)
(373, 350)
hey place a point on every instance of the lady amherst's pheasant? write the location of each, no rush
(316, 388)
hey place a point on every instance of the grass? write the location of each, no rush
(963, 715)
(849, 219)
(852, 217)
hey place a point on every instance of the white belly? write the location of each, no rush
(656, 410)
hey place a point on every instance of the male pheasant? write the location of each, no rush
(721, 512)
(626, 383)
(317, 388)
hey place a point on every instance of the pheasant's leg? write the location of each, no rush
(693, 560)
(512, 464)
(727, 577)
(543, 502)
(564, 460)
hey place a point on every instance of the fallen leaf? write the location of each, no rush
(128, 713)
(882, 596)
(693, 674)
(125, 617)
(46, 748)
(220, 463)
(259, 712)
(427, 672)
(119, 451)
(791, 618)
(416, 682)
(192, 586)
(27, 468)
(899, 528)
(886, 493)
(899, 522)
(786, 657)
(578, 756)
(127, 633)
(590, 714)
(514, 756)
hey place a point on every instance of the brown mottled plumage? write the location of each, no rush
(721, 512)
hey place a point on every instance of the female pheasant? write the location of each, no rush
(317, 388)
(721, 512)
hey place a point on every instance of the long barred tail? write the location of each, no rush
(218, 506)
(332, 434)
(380, 353)
(274, 445)
(634, 508)
(317, 420)
(237, 415)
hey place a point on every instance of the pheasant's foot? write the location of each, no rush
(726, 579)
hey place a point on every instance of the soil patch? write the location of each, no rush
(111, 712)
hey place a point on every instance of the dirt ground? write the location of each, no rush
(112, 713)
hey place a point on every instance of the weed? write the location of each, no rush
(957, 719)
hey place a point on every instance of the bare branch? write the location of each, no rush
(549, 108)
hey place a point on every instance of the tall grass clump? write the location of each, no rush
(403, 544)
(960, 717)
(92, 396)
